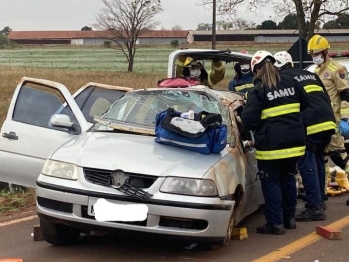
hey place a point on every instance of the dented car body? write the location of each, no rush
(99, 144)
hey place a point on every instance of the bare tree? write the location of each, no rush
(177, 27)
(309, 12)
(125, 20)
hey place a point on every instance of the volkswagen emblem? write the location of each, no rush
(119, 177)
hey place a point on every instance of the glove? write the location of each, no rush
(344, 127)
(215, 60)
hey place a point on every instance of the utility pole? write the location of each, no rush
(214, 25)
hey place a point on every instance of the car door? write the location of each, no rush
(27, 137)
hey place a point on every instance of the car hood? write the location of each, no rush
(135, 154)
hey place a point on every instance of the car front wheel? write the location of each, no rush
(59, 235)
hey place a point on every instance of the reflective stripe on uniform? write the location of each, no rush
(329, 125)
(281, 110)
(281, 153)
(239, 88)
(332, 67)
(344, 111)
(313, 88)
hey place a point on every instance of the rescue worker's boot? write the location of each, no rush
(271, 229)
(290, 223)
(314, 213)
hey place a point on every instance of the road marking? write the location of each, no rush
(300, 243)
(15, 221)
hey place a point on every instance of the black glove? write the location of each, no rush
(216, 60)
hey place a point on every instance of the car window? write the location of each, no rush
(95, 101)
(36, 104)
(141, 107)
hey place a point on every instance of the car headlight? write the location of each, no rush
(60, 169)
(189, 186)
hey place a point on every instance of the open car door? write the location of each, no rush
(42, 116)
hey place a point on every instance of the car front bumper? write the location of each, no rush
(194, 221)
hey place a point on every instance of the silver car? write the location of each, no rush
(186, 195)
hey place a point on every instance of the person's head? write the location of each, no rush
(262, 66)
(193, 67)
(242, 67)
(318, 48)
(283, 60)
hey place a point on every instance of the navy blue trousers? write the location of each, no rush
(312, 176)
(279, 189)
(312, 168)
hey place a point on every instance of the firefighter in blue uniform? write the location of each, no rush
(320, 122)
(273, 111)
(243, 80)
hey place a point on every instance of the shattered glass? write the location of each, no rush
(141, 107)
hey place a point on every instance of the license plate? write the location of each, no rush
(111, 210)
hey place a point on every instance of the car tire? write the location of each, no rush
(58, 234)
(208, 246)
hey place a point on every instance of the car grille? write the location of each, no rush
(197, 224)
(84, 214)
(55, 205)
(104, 178)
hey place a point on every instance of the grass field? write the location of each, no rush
(148, 59)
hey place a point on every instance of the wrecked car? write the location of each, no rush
(98, 147)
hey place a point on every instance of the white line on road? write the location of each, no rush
(15, 221)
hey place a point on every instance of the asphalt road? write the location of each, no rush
(16, 241)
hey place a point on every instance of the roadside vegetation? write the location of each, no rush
(20, 199)
(74, 67)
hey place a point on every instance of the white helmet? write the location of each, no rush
(282, 58)
(259, 57)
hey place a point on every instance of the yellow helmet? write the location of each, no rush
(317, 44)
(189, 62)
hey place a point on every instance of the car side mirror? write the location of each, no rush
(60, 120)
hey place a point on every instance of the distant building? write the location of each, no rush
(263, 36)
(92, 37)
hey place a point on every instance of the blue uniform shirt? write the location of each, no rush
(242, 84)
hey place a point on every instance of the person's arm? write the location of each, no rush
(232, 84)
(217, 73)
(342, 83)
(251, 115)
(180, 65)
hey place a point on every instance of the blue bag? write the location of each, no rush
(212, 140)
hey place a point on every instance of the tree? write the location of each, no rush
(290, 22)
(6, 30)
(177, 27)
(343, 20)
(332, 24)
(86, 28)
(307, 10)
(128, 19)
(224, 25)
(3, 40)
(268, 24)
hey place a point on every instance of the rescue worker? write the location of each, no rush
(188, 67)
(320, 123)
(335, 79)
(273, 111)
(243, 79)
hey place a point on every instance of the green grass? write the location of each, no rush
(15, 201)
(97, 59)
(147, 59)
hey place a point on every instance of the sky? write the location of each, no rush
(22, 15)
